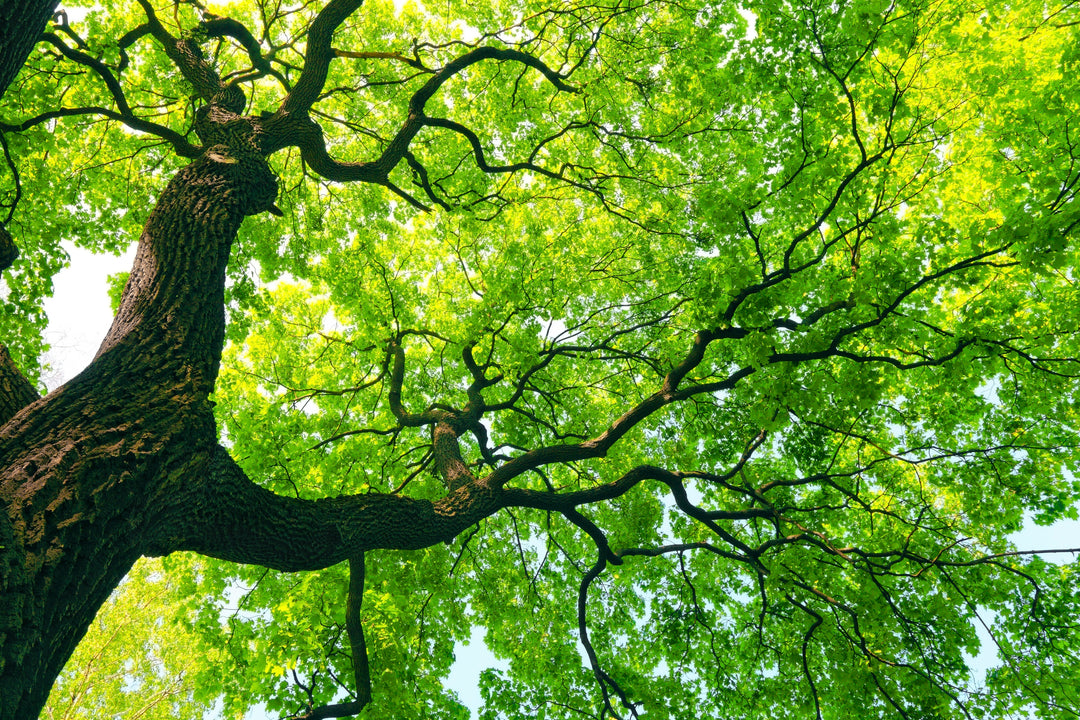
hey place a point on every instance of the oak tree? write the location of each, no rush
(708, 357)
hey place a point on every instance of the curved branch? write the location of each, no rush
(447, 455)
(94, 64)
(807, 637)
(317, 56)
(127, 40)
(123, 113)
(216, 26)
(180, 143)
(60, 22)
(189, 60)
(397, 379)
(671, 391)
(481, 158)
(599, 445)
(373, 55)
(603, 679)
(357, 643)
(8, 251)
(227, 516)
(485, 53)
(310, 138)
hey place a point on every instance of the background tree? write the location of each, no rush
(134, 662)
(708, 358)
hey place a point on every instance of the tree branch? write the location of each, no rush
(317, 56)
(358, 645)
(290, 125)
(228, 516)
(216, 26)
(447, 455)
(123, 112)
(8, 250)
(189, 60)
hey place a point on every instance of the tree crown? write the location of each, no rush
(762, 322)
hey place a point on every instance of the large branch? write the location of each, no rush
(358, 645)
(123, 112)
(218, 27)
(188, 58)
(287, 129)
(317, 56)
(228, 516)
(180, 143)
(674, 388)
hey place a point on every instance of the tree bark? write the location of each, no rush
(123, 460)
(86, 472)
(23, 22)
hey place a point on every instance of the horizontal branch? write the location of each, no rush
(180, 143)
(228, 516)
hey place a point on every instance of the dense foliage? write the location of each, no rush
(768, 314)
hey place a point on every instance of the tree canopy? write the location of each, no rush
(709, 356)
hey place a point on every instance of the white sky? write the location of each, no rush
(78, 311)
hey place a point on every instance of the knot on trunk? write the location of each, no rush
(250, 175)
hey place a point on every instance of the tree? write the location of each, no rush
(708, 358)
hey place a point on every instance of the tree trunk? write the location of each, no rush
(23, 22)
(91, 474)
(124, 461)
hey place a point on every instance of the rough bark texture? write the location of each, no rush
(23, 22)
(88, 470)
(123, 460)
(16, 392)
(8, 250)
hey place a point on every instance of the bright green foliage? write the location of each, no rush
(873, 206)
(140, 659)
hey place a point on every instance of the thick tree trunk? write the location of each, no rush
(89, 473)
(123, 460)
(23, 22)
